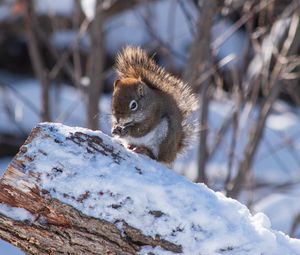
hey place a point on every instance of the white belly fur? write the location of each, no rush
(151, 140)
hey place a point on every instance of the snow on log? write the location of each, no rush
(75, 191)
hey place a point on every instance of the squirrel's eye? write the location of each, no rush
(133, 105)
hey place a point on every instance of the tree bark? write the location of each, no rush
(96, 68)
(37, 60)
(200, 63)
(59, 228)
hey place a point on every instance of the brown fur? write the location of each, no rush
(159, 95)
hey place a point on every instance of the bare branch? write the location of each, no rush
(96, 59)
(36, 59)
(199, 63)
(257, 130)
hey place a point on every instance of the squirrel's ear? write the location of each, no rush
(142, 89)
(116, 83)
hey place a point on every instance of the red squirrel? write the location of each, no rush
(150, 107)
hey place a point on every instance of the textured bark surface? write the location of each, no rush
(59, 228)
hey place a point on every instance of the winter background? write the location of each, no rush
(167, 27)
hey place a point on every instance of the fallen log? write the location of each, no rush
(75, 191)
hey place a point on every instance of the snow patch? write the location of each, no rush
(88, 7)
(150, 197)
(281, 208)
(282, 121)
(16, 213)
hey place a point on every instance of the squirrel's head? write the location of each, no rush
(131, 103)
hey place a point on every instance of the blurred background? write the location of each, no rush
(240, 56)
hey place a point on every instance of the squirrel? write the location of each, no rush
(150, 107)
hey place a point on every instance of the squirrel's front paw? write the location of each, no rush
(131, 147)
(142, 150)
(119, 131)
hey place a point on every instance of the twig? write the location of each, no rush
(76, 54)
(295, 224)
(221, 133)
(238, 24)
(236, 88)
(96, 61)
(30, 105)
(200, 61)
(37, 61)
(282, 187)
(164, 44)
(188, 17)
(62, 58)
(10, 113)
